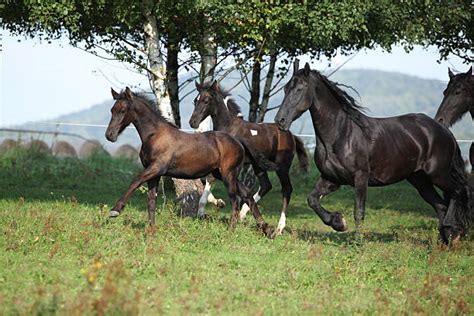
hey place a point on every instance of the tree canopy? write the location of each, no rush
(250, 31)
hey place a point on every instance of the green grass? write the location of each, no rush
(61, 254)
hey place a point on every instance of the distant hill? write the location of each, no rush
(382, 93)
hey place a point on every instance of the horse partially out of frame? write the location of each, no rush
(458, 100)
(167, 151)
(360, 151)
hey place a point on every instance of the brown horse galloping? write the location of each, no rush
(167, 151)
(267, 139)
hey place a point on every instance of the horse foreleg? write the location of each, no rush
(286, 190)
(152, 184)
(247, 197)
(265, 187)
(323, 188)
(360, 185)
(471, 157)
(203, 200)
(149, 173)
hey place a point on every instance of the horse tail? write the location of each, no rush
(302, 154)
(460, 215)
(258, 157)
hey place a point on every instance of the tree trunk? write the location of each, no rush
(208, 54)
(255, 89)
(188, 192)
(266, 90)
(172, 74)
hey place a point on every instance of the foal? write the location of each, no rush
(167, 151)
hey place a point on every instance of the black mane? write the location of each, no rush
(147, 99)
(354, 110)
(233, 107)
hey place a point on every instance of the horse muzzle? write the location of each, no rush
(111, 137)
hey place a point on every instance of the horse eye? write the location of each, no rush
(458, 91)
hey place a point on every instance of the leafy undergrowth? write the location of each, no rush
(60, 253)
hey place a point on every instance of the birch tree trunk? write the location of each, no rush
(188, 192)
(208, 54)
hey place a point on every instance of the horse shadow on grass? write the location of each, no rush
(347, 238)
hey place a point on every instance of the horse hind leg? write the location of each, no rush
(203, 200)
(152, 184)
(425, 188)
(323, 188)
(471, 157)
(265, 187)
(247, 197)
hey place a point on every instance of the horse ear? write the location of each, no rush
(129, 94)
(215, 86)
(450, 73)
(307, 69)
(198, 86)
(115, 95)
(469, 72)
(296, 66)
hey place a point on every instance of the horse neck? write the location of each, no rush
(222, 118)
(145, 120)
(329, 119)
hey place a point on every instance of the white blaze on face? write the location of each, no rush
(253, 132)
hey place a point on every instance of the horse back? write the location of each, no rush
(267, 138)
(402, 145)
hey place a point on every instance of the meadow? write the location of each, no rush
(61, 254)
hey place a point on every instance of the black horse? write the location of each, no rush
(458, 100)
(357, 150)
(167, 151)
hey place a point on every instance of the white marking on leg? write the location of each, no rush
(203, 199)
(243, 211)
(256, 196)
(281, 224)
(245, 208)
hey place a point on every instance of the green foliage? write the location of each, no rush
(61, 254)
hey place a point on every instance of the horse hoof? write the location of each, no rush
(269, 232)
(114, 214)
(338, 222)
(203, 216)
(220, 203)
(275, 233)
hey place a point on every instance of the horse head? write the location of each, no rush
(122, 115)
(458, 98)
(205, 102)
(299, 96)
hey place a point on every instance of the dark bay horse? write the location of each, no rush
(167, 151)
(275, 145)
(357, 150)
(458, 100)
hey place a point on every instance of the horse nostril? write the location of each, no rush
(282, 121)
(441, 120)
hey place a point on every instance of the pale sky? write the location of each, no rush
(41, 81)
